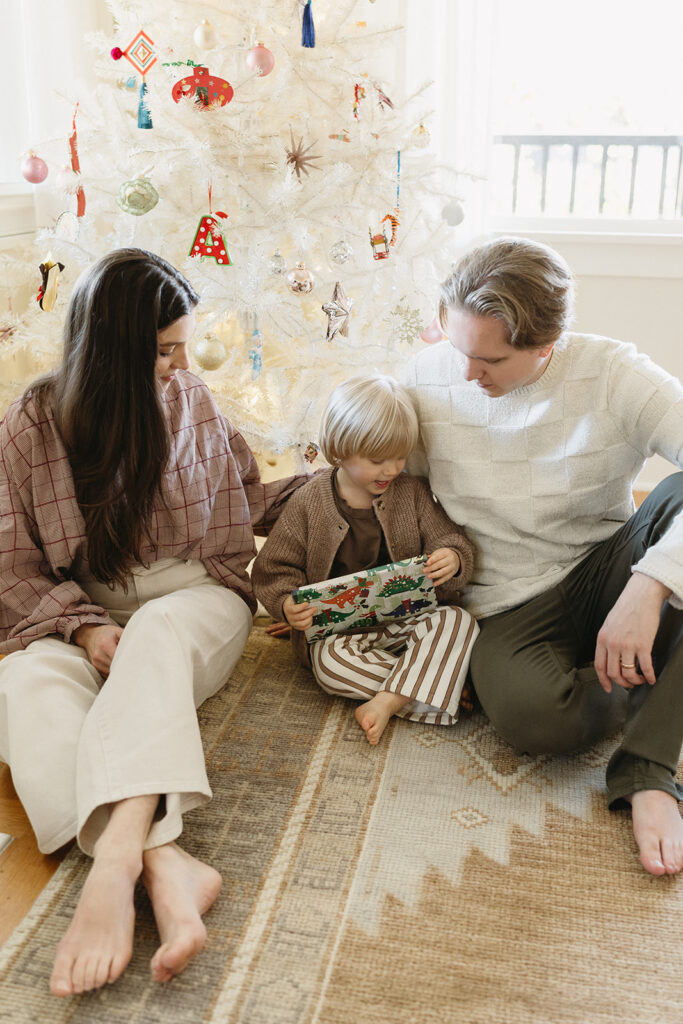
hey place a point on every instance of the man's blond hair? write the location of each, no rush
(526, 285)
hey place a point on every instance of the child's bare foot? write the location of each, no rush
(373, 715)
(181, 889)
(98, 943)
(658, 828)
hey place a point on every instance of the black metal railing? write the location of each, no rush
(543, 149)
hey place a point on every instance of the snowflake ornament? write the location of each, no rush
(404, 323)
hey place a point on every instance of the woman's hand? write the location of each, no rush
(99, 644)
(628, 633)
(442, 565)
(299, 616)
(278, 629)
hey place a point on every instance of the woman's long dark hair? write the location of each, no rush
(106, 401)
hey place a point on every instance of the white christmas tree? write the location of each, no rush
(292, 184)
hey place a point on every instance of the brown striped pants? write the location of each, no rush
(424, 657)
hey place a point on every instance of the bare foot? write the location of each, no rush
(658, 828)
(98, 943)
(373, 715)
(181, 889)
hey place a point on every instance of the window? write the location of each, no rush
(586, 110)
(46, 62)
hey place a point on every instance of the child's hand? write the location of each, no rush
(442, 565)
(299, 616)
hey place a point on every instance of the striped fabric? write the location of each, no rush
(424, 657)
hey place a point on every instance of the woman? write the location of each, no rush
(128, 504)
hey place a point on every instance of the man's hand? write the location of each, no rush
(442, 565)
(99, 644)
(299, 616)
(628, 634)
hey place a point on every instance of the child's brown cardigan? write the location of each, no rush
(305, 539)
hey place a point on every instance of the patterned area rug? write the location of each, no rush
(439, 878)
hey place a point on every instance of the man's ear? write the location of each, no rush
(546, 350)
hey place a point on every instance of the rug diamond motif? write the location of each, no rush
(494, 760)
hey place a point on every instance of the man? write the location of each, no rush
(533, 437)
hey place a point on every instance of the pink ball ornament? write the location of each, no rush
(432, 334)
(260, 59)
(34, 169)
(117, 53)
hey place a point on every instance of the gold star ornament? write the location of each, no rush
(338, 313)
(296, 156)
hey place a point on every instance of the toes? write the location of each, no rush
(159, 971)
(116, 968)
(651, 857)
(654, 866)
(61, 978)
(60, 986)
(672, 857)
(172, 959)
(90, 974)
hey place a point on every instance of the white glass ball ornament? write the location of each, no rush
(420, 137)
(453, 213)
(67, 226)
(205, 36)
(341, 252)
(209, 352)
(276, 263)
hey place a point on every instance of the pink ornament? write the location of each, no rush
(117, 53)
(432, 334)
(260, 59)
(34, 169)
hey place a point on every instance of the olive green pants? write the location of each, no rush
(532, 666)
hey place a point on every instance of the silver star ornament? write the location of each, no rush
(338, 312)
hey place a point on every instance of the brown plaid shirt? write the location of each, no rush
(213, 491)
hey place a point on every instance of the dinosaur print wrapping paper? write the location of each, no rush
(363, 600)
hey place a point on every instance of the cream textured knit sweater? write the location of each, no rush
(541, 475)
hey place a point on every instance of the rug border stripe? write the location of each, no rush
(231, 990)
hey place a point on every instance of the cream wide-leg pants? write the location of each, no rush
(76, 744)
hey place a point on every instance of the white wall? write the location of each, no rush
(632, 289)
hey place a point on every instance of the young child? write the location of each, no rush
(361, 513)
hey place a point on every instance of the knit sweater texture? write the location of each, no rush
(543, 474)
(304, 541)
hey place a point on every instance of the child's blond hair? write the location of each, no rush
(370, 416)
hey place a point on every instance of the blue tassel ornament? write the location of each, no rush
(144, 116)
(307, 27)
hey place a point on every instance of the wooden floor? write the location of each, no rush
(24, 871)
